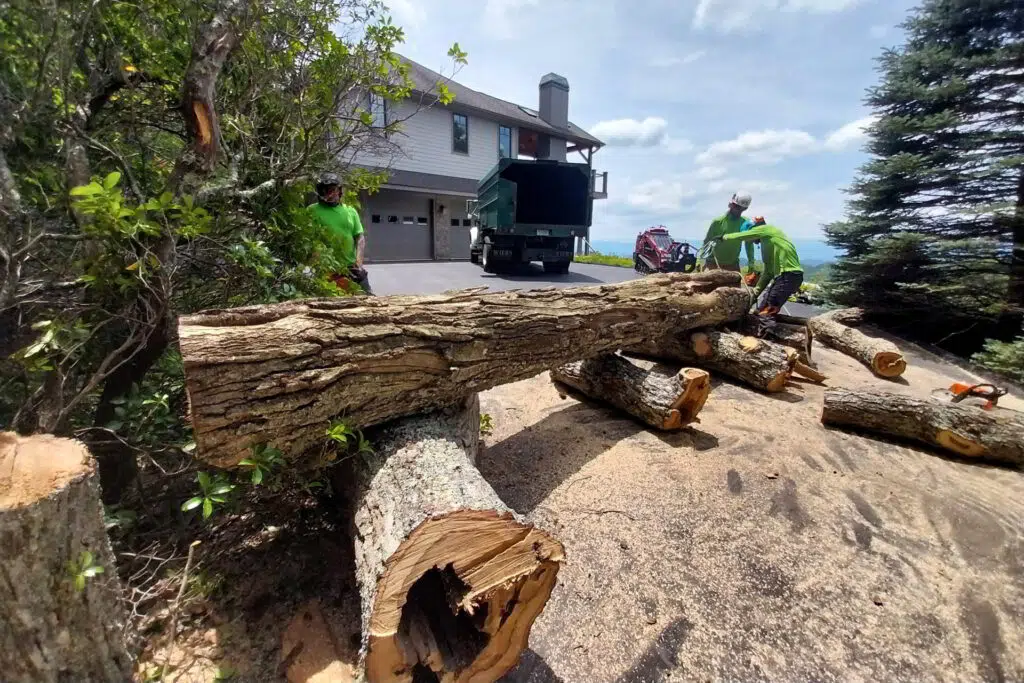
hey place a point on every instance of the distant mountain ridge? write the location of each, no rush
(811, 252)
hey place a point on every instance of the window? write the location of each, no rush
(421, 220)
(392, 219)
(466, 222)
(378, 111)
(375, 218)
(504, 142)
(455, 222)
(407, 220)
(460, 134)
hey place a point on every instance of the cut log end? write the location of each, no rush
(888, 364)
(695, 387)
(459, 597)
(701, 344)
(958, 444)
(32, 469)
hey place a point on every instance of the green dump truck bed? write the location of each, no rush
(524, 196)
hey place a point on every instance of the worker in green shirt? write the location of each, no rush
(726, 255)
(343, 232)
(782, 274)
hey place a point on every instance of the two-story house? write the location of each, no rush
(443, 151)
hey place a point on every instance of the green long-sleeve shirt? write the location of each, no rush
(726, 253)
(777, 252)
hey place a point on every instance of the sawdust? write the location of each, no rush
(32, 468)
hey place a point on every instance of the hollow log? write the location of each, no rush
(797, 337)
(278, 373)
(664, 399)
(756, 362)
(881, 355)
(61, 618)
(966, 431)
(451, 579)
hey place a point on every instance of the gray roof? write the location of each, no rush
(425, 81)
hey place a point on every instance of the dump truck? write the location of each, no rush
(531, 210)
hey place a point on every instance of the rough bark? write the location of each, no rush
(451, 579)
(881, 355)
(50, 513)
(277, 374)
(797, 337)
(756, 362)
(963, 430)
(664, 399)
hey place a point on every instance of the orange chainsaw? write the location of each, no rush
(990, 393)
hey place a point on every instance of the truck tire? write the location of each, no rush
(487, 260)
(474, 256)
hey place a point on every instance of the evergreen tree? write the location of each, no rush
(934, 237)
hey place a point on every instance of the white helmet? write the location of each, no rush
(741, 199)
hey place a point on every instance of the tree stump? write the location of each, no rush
(277, 374)
(61, 618)
(881, 355)
(451, 579)
(757, 362)
(662, 398)
(966, 431)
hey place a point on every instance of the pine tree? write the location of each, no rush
(934, 239)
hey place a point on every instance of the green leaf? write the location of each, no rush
(191, 504)
(247, 463)
(222, 489)
(111, 181)
(207, 508)
(86, 190)
(189, 447)
(85, 559)
(257, 476)
(204, 480)
(79, 582)
(93, 571)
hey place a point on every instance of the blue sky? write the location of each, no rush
(695, 98)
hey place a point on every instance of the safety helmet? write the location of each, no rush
(758, 220)
(323, 185)
(741, 199)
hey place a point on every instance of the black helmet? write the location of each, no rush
(324, 183)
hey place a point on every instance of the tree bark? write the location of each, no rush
(50, 513)
(451, 579)
(963, 430)
(881, 355)
(277, 374)
(797, 337)
(756, 362)
(664, 399)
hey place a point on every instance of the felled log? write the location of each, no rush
(802, 369)
(61, 615)
(881, 355)
(963, 430)
(278, 373)
(798, 337)
(666, 400)
(756, 362)
(451, 579)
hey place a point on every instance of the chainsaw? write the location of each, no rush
(988, 393)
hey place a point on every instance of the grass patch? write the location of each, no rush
(602, 259)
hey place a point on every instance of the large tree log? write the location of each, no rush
(664, 399)
(451, 579)
(757, 362)
(881, 355)
(797, 337)
(964, 430)
(277, 374)
(59, 620)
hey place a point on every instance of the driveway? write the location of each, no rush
(435, 277)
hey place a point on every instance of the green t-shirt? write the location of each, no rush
(777, 252)
(728, 253)
(341, 227)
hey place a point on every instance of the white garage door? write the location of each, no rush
(397, 227)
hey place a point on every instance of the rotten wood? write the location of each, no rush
(279, 373)
(450, 578)
(662, 398)
(756, 362)
(52, 628)
(880, 355)
(967, 431)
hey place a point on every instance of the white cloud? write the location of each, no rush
(710, 172)
(631, 133)
(666, 62)
(676, 145)
(407, 13)
(849, 136)
(758, 147)
(733, 15)
(660, 195)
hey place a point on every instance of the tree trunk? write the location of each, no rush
(964, 430)
(451, 579)
(278, 373)
(797, 337)
(756, 362)
(663, 399)
(1012, 318)
(881, 355)
(50, 514)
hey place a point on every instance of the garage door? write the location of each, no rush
(398, 227)
(460, 238)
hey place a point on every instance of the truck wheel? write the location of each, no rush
(487, 260)
(474, 257)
